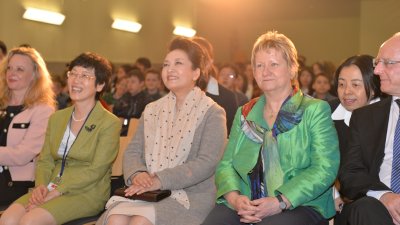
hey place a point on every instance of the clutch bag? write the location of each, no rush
(150, 196)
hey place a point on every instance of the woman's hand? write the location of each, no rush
(267, 206)
(243, 206)
(139, 189)
(143, 179)
(38, 195)
(52, 194)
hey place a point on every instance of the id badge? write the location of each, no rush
(51, 186)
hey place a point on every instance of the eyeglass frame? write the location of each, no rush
(81, 77)
(386, 62)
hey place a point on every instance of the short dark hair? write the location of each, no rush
(364, 64)
(196, 55)
(101, 66)
(144, 61)
(154, 71)
(127, 67)
(136, 73)
(3, 47)
(232, 66)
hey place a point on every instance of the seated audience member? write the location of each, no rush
(121, 87)
(321, 87)
(143, 64)
(227, 75)
(178, 143)
(3, 50)
(122, 71)
(63, 100)
(133, 102)
(369, 173)
(152, 82)
(221, 95)
(356, 86)
(241, 83)
(306, 78)
(74, 166)
(282, 156)
(26, 103)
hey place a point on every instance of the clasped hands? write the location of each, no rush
(40, 195)
(254, 211)
(143, 182)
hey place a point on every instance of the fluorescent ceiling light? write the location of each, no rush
(44, 16)
(126, 25)
(184, 31)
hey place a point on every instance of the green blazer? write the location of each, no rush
(309, 156)
(85, 183)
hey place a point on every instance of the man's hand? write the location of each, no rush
(392, 203)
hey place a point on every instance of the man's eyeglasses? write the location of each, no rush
(82, 77)
(386, 62)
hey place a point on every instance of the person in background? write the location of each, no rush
(248, 71)
(306, 79)
(121, 87)
(369, 172)
(221, 95)
(143, 64)
(26, 103)
(356, 86)
(241, 83)
(3, 50)
(133, 102)
(152, 82)
(321, 87)
(178, 143)
(73, 173)
(227, 76)
(63, 100)
(282, 156)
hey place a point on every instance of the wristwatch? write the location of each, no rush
(282, 204)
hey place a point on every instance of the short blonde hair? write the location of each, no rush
(278, 41)
(40, 90)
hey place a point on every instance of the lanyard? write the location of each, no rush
(65, 154)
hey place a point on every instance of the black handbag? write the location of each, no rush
(150, 196)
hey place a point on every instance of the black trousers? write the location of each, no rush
(9, 192)
(364, 211)
(302, 215)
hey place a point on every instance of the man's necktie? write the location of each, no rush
(395, 181)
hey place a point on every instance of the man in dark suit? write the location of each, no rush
(366, 175)
(222, 96)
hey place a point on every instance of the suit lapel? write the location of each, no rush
(88, 128)
(60, 128)
(380, 124)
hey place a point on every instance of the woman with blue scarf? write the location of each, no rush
(283, 156)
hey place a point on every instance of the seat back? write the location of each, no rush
(123, 144)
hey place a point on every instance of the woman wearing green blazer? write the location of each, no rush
(282, 157)
(74, 168)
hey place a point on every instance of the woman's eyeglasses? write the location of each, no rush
(82, 77)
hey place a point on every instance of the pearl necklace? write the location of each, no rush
(76, 120)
